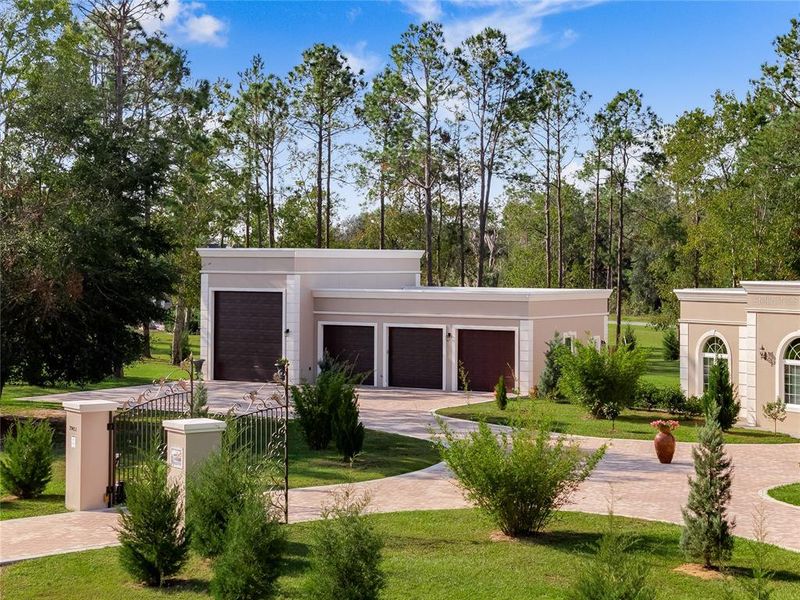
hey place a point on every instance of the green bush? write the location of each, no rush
(628, 338)
(347, 429)
(346, 553)
(26, 463)
(551, 373)
(520, 478)
(153, 540)
(255, 543)
(215, 492)
(603, 380)
(614, 573)
(198, 404)
(647, 396)
(672, 399)
(500, 394)
(721, 393)
(671, 344)
(707, 531)
(316, 403)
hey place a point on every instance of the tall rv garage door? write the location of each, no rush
(415, 357)
(486, 354)
(353, 344)
(248, 335)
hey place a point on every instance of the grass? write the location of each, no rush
(573, 419)
(657, 370)
(435, 555)
(142, 372)
(789, 493)
(384, 455)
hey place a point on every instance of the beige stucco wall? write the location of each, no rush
(698, 334)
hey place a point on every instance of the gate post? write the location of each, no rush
(88, 453)
(189, 442)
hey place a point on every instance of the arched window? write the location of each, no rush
(713, 350)
(791, 373)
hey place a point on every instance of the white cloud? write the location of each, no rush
(568, 37)
(190, 22)
(425, 10)
(353, 13)
(361, 58)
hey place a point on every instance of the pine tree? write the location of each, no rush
(198, 406)
(721, 393)
(548, 380)
(671, 344)
(500, 394)
(707, 530)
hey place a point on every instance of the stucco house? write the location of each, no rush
(756, 328)
(368, 307)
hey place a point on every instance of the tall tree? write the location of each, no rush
(322, 86)
(491, 80)
(424, 75)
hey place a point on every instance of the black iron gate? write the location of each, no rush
(136, 431)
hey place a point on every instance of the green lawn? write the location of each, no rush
(435, 555)
(658, 371)
(384, 455)
(573, 419)
(789, 493)
(139, 373)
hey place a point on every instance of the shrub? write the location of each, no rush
(775, 411)
(26, 464)
(672, 399)
(152, 538)
(198, 404)
(520, 478)
(249, 566)
(316, 403)
(693, 407)
(215, 492)
(629, 338)
(603, 380)
(347, 429)
(721, 393)
(346, 553)
(707, 531)
(647, 395)
(671, 344)
(551, 374)
(500, 394)
(614, 573)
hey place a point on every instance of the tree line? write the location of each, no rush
(115, 165)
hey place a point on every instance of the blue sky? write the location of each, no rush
(676, 53)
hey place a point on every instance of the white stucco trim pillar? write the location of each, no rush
(292, 339)
(683, 329)
(747, 371)
(87, 453)
(525, 356)
(205, 322)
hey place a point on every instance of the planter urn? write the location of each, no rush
(664, 443)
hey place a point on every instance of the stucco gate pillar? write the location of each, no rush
(87, 453)
(189, 442)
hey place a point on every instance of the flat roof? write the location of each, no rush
(711, 294)
(308, 253)
(466, 293)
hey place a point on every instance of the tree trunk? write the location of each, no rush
(462, 249)
(146, 340)
(177, 331)
(320, 130)
(620, 238)
(428, 192)
(595, 226)
(271, 196)
(560, 210)
(328, 189)
(548, 246)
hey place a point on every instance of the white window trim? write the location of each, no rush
(211, 316)
(701, 355)
(780, 388)
(572, 336)
(320, 349)
(454, 350)
(385, 364)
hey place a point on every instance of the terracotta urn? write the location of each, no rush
(665, 445)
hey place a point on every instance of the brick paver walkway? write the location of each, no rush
(629, 476)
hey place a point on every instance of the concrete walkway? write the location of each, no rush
(629, 476)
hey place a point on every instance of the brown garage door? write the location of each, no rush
(353, 344)
(248, 335)
(415, 357)
(485, 355)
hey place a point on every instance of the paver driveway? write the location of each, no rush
(629, 476)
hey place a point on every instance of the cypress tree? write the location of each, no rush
(548, 380)
(721, 393)
(707, 530)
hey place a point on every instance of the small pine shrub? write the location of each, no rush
(520, 478)
(721, 393)
(198, 407)
(152, 538)
(707, 531)
(629, 338)
(249, 565)
(346, 553)
(216, 490)
(551, 373)
(316, 403)
(347, 429)
(500, 394)
(614, 572)
(26, 462)
(671, 344)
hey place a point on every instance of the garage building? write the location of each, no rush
(367, 307)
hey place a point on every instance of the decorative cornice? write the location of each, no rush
(733, 295)
(307, 253)
(772, 287)
(466, 293)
